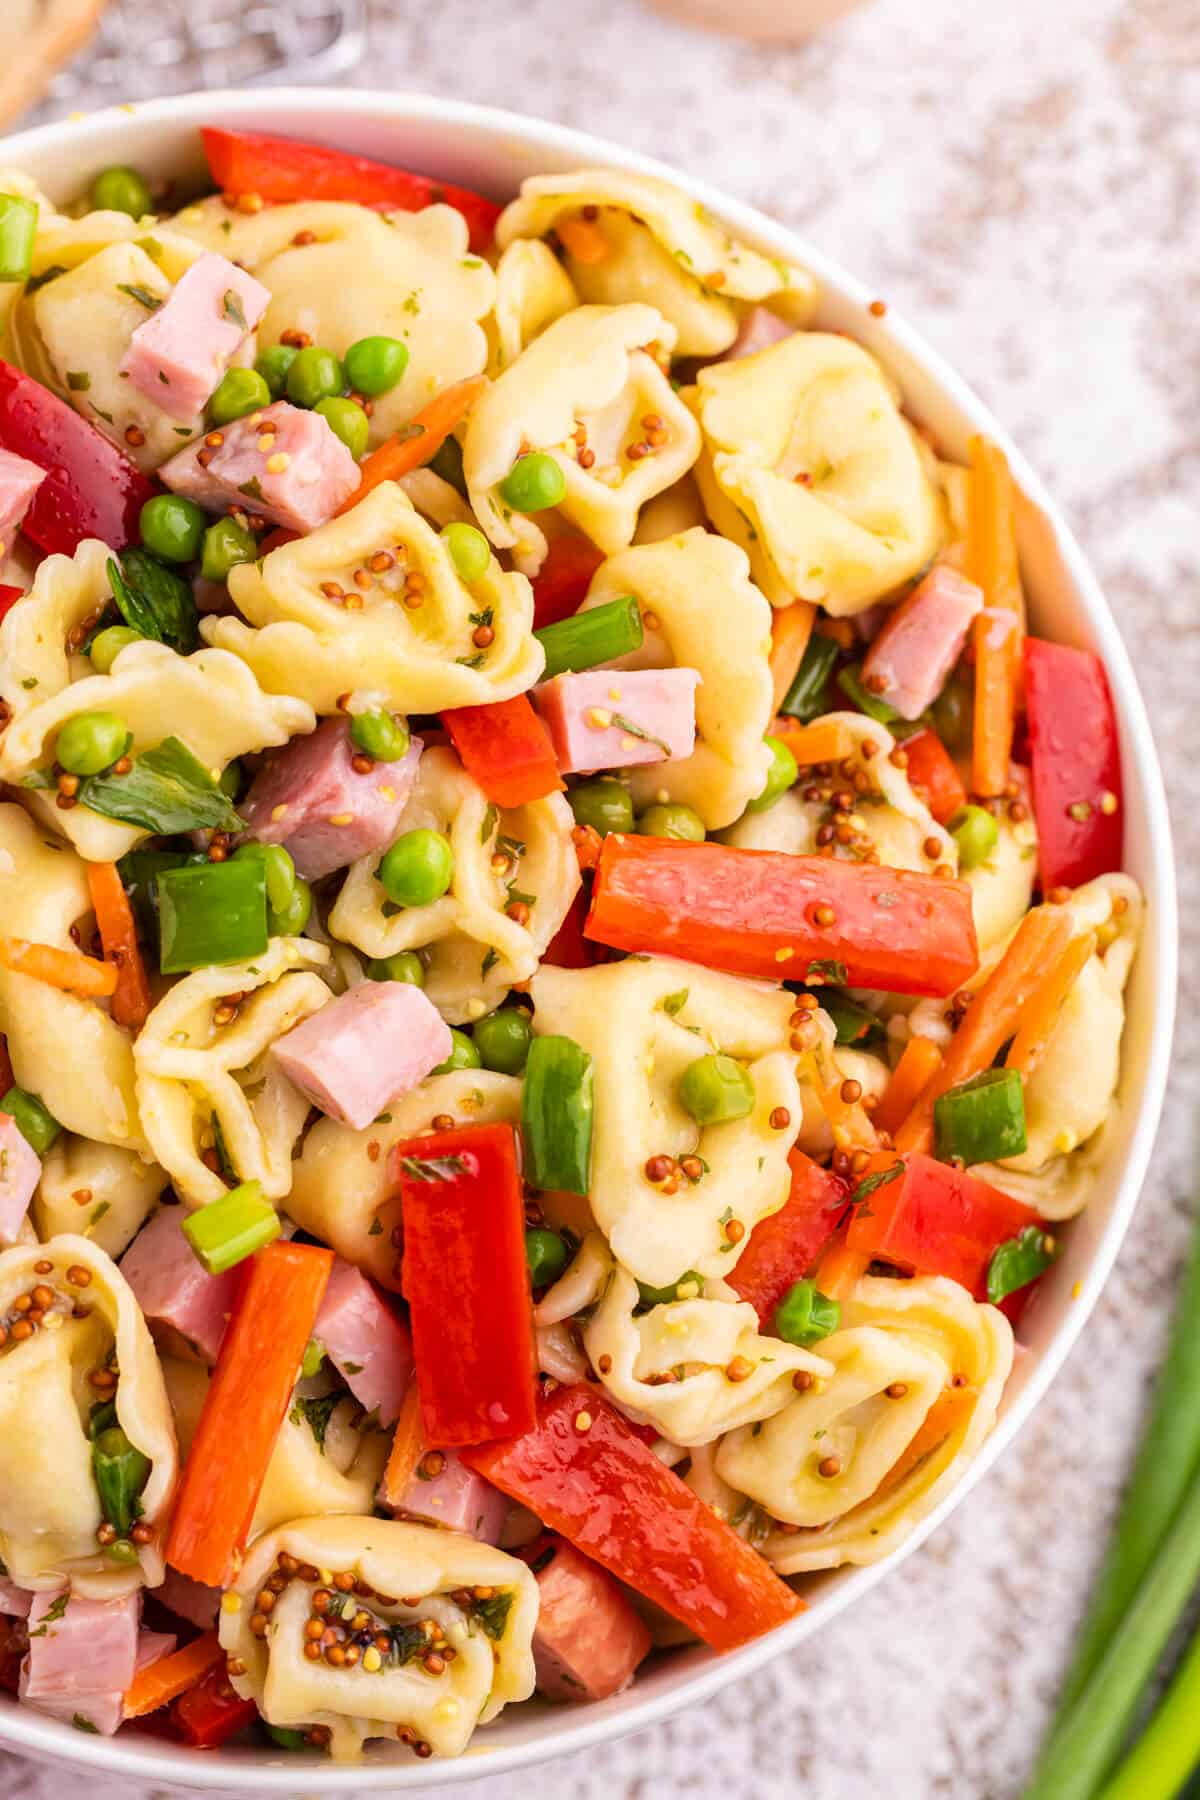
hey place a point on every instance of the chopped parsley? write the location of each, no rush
(827, 971)
(231, 306)
(674, 1003)
(493, 1614)
(434, 1168)
(639, 731)
(316, 1412)
(142, 295)
(78, 380)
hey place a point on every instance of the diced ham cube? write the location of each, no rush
(457, 1498)
(187, 1307)
(370, 1045)
(611, 719)
(19, 482)
(152, 1646)
(368, 1345)
(588, 1640)
(909, 660)
(15, 1601)
(290, 465)
(82, 1657)
(309, 798)
(188, 1599)
(759, 329)
(20, 1172)
(178, 356)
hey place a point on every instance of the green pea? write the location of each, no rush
(239, 391)
(502, 1039)
(952, 714)
(533, 483)
(976, 833)
(469, 550)
(716, 1088)
(463, 1054)
(37, 1126)
(546, 1254)
(121, 189)
(347, 420)
(121, 1552)
(375, 364)
(380, 735)
(225, 545)
(273, 366)
(805, 1315)
(406, 965)
(278, 868)
(172, 528)
(672, 821)
(689, 1287)
(290, 920)
(781, 775)
(108, 644)
(315, 375)
(232, 779)
(90, 742)
(417, 869)
(603, 804)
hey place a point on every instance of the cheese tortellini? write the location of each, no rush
(100, 1190)
(532, 290)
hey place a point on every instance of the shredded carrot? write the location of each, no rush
(1041, 1015)
(420, 439)
(68, 969)
(948, 1414)
(995, 1015)
(583, 240)
(408, 1447)
(114, 916)
(826, 740)
(791, 628)
(840, 1269)
(996, 642)
(920, 1061)
(164, 1680)
(991, 555)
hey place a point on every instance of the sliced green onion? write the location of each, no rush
(37, 1126)
(850, 682)
(18, 228)
(285, 1737)
(121, 1472)
(232, 1228)
(805, 1315)
(278, 867)
(556, 1115)
(852, 1022)
(546, 1254)
(211, 915)
(599, 635)
(314, 1356)
(716, 1088)
(139, 871)
(690, 1286)
(975, 832)
(782, 774)
(1019, 1261)
(983, 1120)
(808, 696)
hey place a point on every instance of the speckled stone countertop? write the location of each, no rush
(1020, 179)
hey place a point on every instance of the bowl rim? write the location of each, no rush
(47, 1738)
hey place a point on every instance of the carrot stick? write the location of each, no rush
(920, 1061)
(997, 640)
(163, 1681)
(1041, 1015)
(791, 628)
(408, 1447)
(114, 916)
(995, 1014)
(68, 969)
(991, 534)
(583, 240)
(421, 438)
(840, 1269)
(944, 1417)
(826, 740)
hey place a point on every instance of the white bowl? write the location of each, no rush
(493, 151)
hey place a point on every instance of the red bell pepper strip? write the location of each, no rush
(586, 1475)
(466, 1281)
(244, 1408)
(506, 749)
(277, 169)
(91, 490)
(783, 1247)
(9, 596)
(561, 584)
(936, 1220)
(767, 913)
(568, 948)
(1076, 764)
(933, 776)
(211, 1713)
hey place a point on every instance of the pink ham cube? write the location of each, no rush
(152, 1646)
(921, 641)
(178, 356)
(187, 1308)
(82, 1657)
(612, 719)
(310, 798)
(19, 482)
(759, 329)
(14, 1601)
(367, 1344)
(20, 1172)
(455, 1497)
(369, 1046)
(284, 464)
(188, 1599)
(588, 1640)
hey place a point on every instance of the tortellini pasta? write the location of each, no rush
(659, 246)
(1002, 885)
(473, 950)
(810, 466)
(532, 290)
(644, 1021)
(205, 1081)
(582, 393)
(49, 1503)
(412, 1573)
(316, 631)
(99, 1190)
(708, 616)
(853, 1463)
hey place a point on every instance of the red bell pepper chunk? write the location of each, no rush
(568, 948)
(9, 596)
(506, 749)
(1076, 764)
(587, 1476)
(783, 1247)
(210, 1713)
(90, 490)
(771, 914)
(466, 1281)
(937, 1220)
(561, 584)
(277, 169)
(933, 775)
